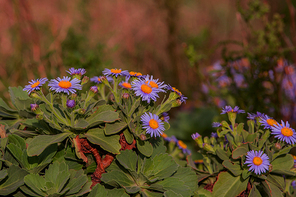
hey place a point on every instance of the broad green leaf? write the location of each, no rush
(117, 192)
(277, 180)
(148, 193)
(115, 127)
(163, 167)
(128, 136)
(3, 105)
(3, 174)
(81, 124)
(201, 192)
(240, 151)
(36, 183)
(76, 181)
(271, 189)
(233, 168)
(228, 185)
(158, 146)
(283, 151)
(221, 154)
(108, 143)
(17, 140)
(104, 113)
(128, 159)
(19, 154)
(40, 142)
(145, 147)
(98, 191)
(15, 180)
(246, 173)
(254, 192)
(171, 193)
(285, 162)
(17, 94)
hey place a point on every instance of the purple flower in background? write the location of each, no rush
(216, 124)
(228, 109)
(79, 71)
(165, 117)
(34, 107)
(35, 85)
(115, 72)
(94, 89)
(215, 135)
(183, 147)
(195, 136)
(96, 79)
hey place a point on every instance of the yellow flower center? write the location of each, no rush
(182, 144)
(126, 85)
(199, 161)
(146, 89)
(294, 157)
(271, 122)
(152, 84)
(287, 132)
(116, 71)
(153, 124)
(65, 84)
(35, 84)
(257, 161)
(99, 79)
(138, 74)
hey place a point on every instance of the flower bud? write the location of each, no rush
(143, 137)
(73, 96)
(125, 95)
(278, 146)
(209, 148)
(71, 103)
(34, 95)
(85, 79)
(94, 89)
(39, 116)
(81, 111)
(34, 107)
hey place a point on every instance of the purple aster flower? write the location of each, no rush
(96, 79)
(165, 137)
(173, 139)
(223, 81)
(228, 109)
(35, 85)
(136, 74)
(293, 184)
(165, 117)
(94, 89)
(215, 135)
(34, 107)
(155, 84)
(216, 124)
(65, 85)
(183, 99)
(125, 85)
(71, 103)
(115, 72)
(183, 147)
(268, 122)
(195, 135)
(153, 125)
(284, 132)
(79, 71)
(144, 90)
(257, 161)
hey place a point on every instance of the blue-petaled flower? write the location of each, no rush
(155, 84)
(79, 71)
(173, 139)
(215, 135)
(228, 109)
(71, 103)
(173, 89)
(34, 107)
(115, 72)
(153, 125)
(165, 117)
(268, 122)
(257, 161)
(144, 90)
(94, 89)
(216, 124)
(125, 85)
(65, 85)
(284, 132)
(183, 147)
(195, 136)
(35, 85)
(96, 79)
(165, 137)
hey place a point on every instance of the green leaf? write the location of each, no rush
(108, 143)
(98, 191)
(233, 168)
(285, 162)
(240, 151)
(81, 124)
(19, 154)
(114, 127)
(283, 151)
(203, 193)
(19, 98)
(119, 178)
(254, 192)
(76, 181)
(15, 180)
(104, 113)
(128, 159)
(17, 140)
(128, 136)
(145, 147)
(246, 173)
(277, 180)
(36, 183)
(228, 185)
(148, 193)
(4, 106)
(3, 174)
(160, 167)
(40, 142)
(271, 189)
(221, 154)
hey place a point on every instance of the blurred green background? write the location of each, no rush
(177, 41)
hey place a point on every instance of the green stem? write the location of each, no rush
(102, 92)
(64, 101)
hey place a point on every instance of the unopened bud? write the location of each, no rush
(85, 79)
(125, 95)
(143, 137)
(209, 148)
(39, 116)
(94, 89)
(34, 95)
(71, 103)
(34, 107)
(278, 146)
(81, 111)
(73, 96)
